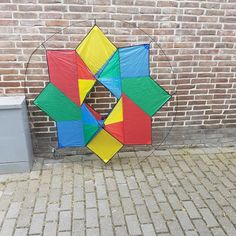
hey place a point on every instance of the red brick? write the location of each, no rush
(8, 22)
(52, 8)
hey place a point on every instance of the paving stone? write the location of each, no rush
(118, 216)
(4, 203)
(92, 231)
(148, 230)
(123, 190)
(64, 221)
(78, 228)
(55, 195)
(139, 175)
(89, 186)
(132, 184)
(208, 217)
(145, 189)
(219, 198)
(198, 201)
(159, 223)
(137, 197)
(133, 225)
(159, 195)
(183, 166)
(8, 227)
(50, 229)
(103, 208)
(14, 210)
(106, 226)
(231, 213)
(184, 220)
(214, 206)
(217, 232)
(40, 205)
(174, 202)
(2, 216)
(181, 193)
(101, 192)
(175, 228)
(151, 204)
(52, 212)
(78, 194)
(127, 206)
(191, 209)
(191, 233)
(203, 191)
(187, 185)
(21, 232)
(66, 202)
(78, 210)
(56, 181)
(43, 190)
(36, 226)
(201, 227)
(64, 234)
(227, 225)
(164, 234)
(121, 230)
(111, 184)
(167, 189)
(143, 214)
(120, 178)
(167, 211)
(90, 200)
(114, 198)
(91, 218)
(24, 217)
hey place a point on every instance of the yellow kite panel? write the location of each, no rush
(116, 115)
(84, 87)
(104, 145)
(95, 49)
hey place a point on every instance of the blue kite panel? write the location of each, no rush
(87, 116)
(112, 84)
(134, 61)
(70, 134)
(101, 122)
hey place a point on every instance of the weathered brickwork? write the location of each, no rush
(197, 38)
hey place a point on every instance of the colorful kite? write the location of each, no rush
(124, 72)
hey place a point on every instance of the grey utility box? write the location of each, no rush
(16, 153)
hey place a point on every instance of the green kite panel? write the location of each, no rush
(58, 106)
(112, 68)
(146, 93)
(89, 132)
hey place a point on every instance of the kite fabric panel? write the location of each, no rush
(69, 134)
(105, 145)
(124, 72)
(134, 61)
(109, 75)
(57, 105)
(63, 72)
(95, 49)
(146, 93)
(129, 123)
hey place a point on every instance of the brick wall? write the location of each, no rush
(198, 38)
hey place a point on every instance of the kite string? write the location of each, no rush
(152, 40)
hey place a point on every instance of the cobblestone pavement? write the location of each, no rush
(176, 192)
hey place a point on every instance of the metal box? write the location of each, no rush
(16, 154)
